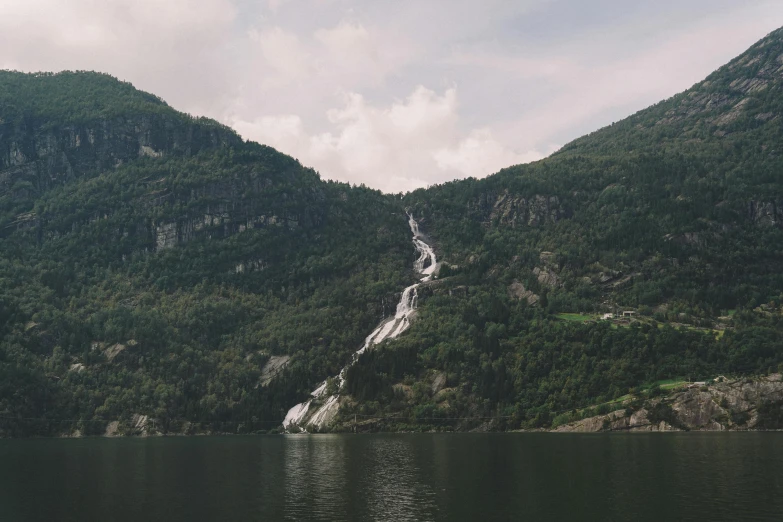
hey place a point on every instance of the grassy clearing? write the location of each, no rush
(665, 385)
(711, 331)
(671, 384)
(576, 317)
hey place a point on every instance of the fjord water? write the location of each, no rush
(640, 477)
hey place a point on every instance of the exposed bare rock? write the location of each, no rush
(149, 152)
(166, 236)
(617, 420)
(639, 419)
(439, 382)
(35, 159)
(253, 265)
(546, 277)
(517, 290)
(114, 350)
(746, 394)
(24, 221)
(49, 156)
(77, 368)
(733, 114)
(606, 277)
(741, 404)
(766, 212)
(112, 429)
(749, 85)
(274, 366)
(696, 409)
(593, 424)
(220, 224)
(696, 103)
(141, 425)
(511, 210)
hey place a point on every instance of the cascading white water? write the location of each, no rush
(425, 265)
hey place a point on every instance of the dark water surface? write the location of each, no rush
(634, 477)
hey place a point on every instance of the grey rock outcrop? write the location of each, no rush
(546, 277)
(517, 290)
(511, 210)
(742, 404)
(273, 367)
(35, 157)
(438, 382)
(768, 213)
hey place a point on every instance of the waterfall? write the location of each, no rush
(425, 265)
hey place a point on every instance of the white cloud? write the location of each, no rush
(480, 154)
(284, 132)
(584, 97)
(274, 5)
(529, 73)
(411, 143)
(173, 48)
(347, 37)
(284, 58)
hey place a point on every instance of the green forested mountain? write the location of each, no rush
(153, 264)
(673, 214)
(155, 267)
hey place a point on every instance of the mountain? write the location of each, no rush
(156, 266)
(673, 215)
(158, 274)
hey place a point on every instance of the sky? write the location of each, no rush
(394, 95)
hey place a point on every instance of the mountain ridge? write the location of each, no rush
(153, 264)
(158, 267)
(671, 215)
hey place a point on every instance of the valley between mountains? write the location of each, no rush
(160, 275)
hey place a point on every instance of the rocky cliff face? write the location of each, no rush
(225, 209)
(768, 213)
(35, 156)
(744, 404)
(511, 210)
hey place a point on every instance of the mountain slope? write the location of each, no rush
(737, 101)
(672, 215)
(156, 266)
(158, 274)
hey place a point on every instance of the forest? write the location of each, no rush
(153, 264)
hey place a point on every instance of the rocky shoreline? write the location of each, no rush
(720, 405)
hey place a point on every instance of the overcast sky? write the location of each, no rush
(394, 94)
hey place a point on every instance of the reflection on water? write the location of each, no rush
(315, 470)
(616, 477)
(382, 481)
(395, 490)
